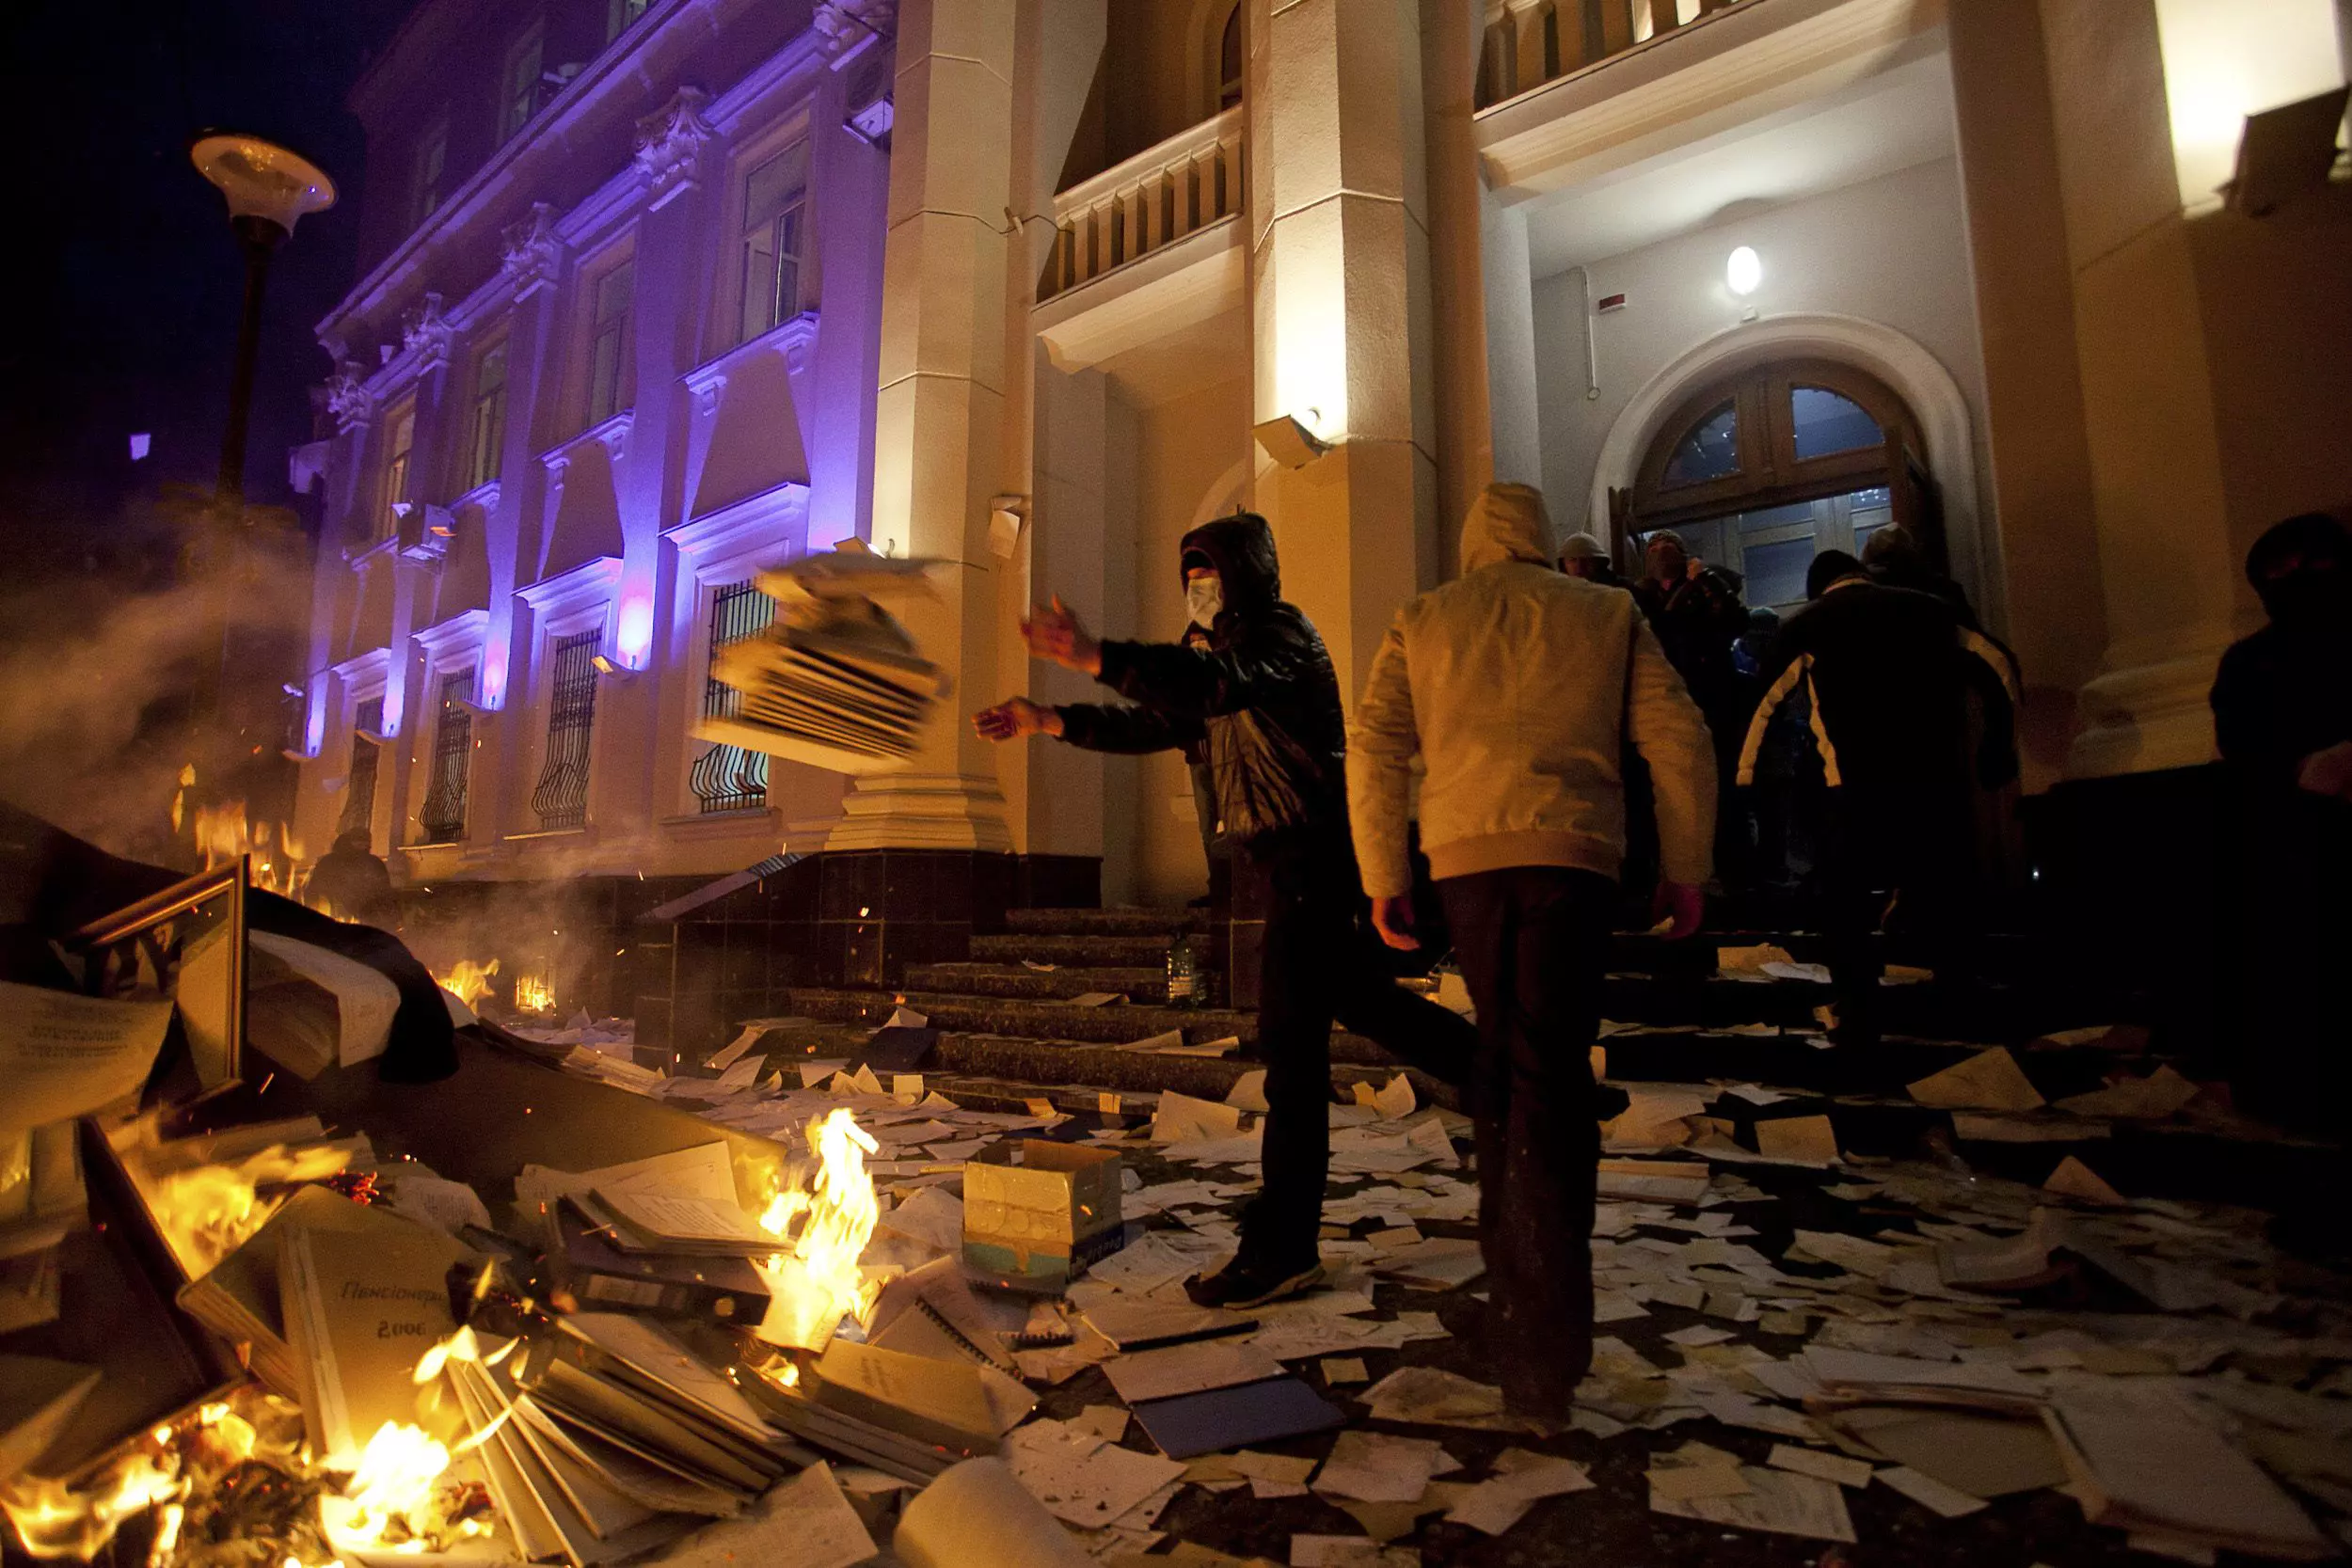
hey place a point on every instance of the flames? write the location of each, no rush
(222, 835)
(533, 993)
(206, 1213)
(199, 1468)
(819, 1281)
(468, 981)
(210, 1477)
(53, 1521)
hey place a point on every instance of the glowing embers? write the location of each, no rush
(818, 1280)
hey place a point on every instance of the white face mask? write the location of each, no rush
(1203, 597)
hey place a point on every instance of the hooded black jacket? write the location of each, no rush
(1260, 699)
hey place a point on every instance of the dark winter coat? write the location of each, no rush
(1696, 621)
(2279, 697)
(1889, 673)
(1260, 700)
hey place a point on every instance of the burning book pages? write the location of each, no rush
(834, 681)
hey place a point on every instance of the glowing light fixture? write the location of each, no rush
(2224, 60)
(1744, 272)
(634, 638)
(263, 180)
(1291, 440)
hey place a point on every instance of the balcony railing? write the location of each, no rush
(1530, 44)
(1154, 199)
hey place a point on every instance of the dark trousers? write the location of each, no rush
(1899, 856)
(1533, 943)
(1319, 963)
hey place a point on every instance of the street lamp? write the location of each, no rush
(268, 189)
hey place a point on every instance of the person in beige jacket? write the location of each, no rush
(1516, 686)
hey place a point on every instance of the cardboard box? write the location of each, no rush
(1036, 1225)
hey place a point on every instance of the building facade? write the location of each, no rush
(1036, 285)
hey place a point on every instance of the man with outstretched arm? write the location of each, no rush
(1260, 697)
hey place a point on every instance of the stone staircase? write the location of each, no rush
(1010, 1033)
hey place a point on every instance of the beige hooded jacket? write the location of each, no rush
(1517, 687)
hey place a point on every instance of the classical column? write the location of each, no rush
(939, 415)
(2165, 552)
(2042, 585)
(1339, 302)
(1453, 33)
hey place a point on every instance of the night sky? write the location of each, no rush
(124, 317)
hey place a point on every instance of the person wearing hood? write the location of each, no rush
(1257, 698)
(1514, 686)
(2283, 718)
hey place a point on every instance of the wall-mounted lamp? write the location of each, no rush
(1743, 273)
(2286, 153)
(1006, 514)
(1291, 441)
(611, 670)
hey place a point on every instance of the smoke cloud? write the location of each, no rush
(101, 675)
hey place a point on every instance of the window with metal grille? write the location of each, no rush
(729, 777)
(444, 813)
(609, 344)
(775, 197)
(561, 800)
(359, 788)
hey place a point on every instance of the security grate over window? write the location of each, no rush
(444, 814)
(359, 792)
(729, 777)
(561, 800)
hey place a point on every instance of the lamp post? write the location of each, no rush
(268, 189)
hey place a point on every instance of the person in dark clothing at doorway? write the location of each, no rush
(1261, 700)
(1889, 673)
(1893, 556)
(351, 883)
(1695, 611)
(1515, 687)
(2283, 717)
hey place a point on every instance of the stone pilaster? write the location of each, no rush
(1338, 208)
(939, 412)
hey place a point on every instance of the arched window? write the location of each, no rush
(1759, 472)
(1229, 64)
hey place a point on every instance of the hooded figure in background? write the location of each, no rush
(1517, 686)
(1256, 703)
(2283, 716)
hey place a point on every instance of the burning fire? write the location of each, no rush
(207, 1211)
(223, 835)
(533, 993)
(468, 981)
(819, 1281)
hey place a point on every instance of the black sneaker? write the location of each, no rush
(1240, 1286)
